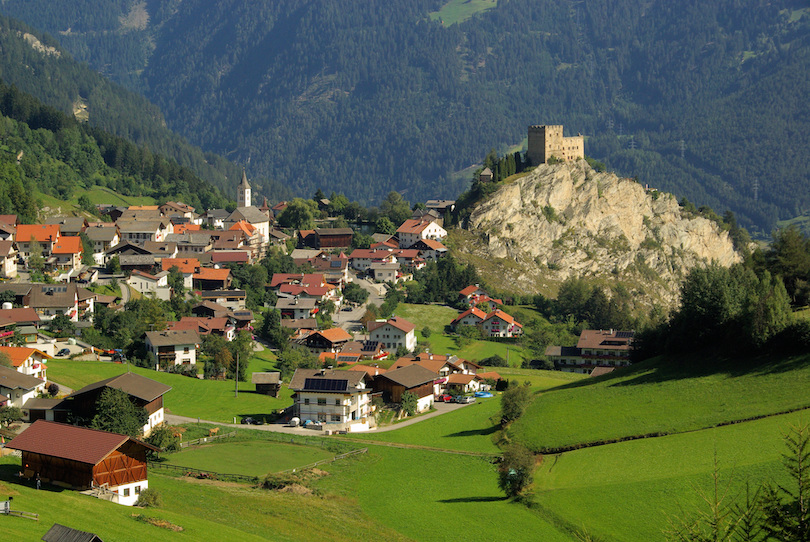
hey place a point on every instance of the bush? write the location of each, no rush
(426, 332)
(279, 481)
(516, 470)
(494, 361)
(409, 403)
(514, 401)
(53, 389)
(149, 497)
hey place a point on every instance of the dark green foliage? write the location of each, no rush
(252, 279)
(442, 280)
(494, 361)
(355, 293)
(514, 401)
(392, 298)
(149, 497)
(272, 331)
(426, 332)
(163, 437)
(62, 326)
(395, 208)
(516, 470)
(787, 509)
(409, 403)
(293, 358)
(298, 215)
(10, 414)
(116, 413)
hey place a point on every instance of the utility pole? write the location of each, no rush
(756, 189)
(236, 378)
(683, 147)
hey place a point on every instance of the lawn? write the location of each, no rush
(250, 458)
(457, 11)
(435, 496)
(467, 429)
(659, 397)
(205, 510)
(207, 399)
(437, 317)
(631, 490)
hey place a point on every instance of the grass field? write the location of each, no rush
(456, 11)
(437, 317)
(207, 399)
(251, 458)
(656, 397)
(632, 490)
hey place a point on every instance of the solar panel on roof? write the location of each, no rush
(325, 384)
(370, 346)
(335, 264)
(624, 334)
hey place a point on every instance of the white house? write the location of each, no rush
(173, 347)
(28, 361)
(415, 229)
(103, 238)
(17, 388)
(151, 285)
(500, 324)
(393, 333)
(471, 317)
(338, 397)
(8, 255)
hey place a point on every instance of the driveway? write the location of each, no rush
(350, 320)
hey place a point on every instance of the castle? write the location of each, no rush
(547, 141)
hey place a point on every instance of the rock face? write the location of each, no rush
(569, 220)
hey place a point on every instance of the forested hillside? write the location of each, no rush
(703, 99)
(44, 150)
(37, 65)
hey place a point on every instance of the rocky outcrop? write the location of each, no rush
(569, 220)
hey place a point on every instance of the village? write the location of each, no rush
(364, 366)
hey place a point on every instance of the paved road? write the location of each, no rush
(350, 320)
(441, 408)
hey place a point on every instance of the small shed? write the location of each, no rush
(60, 533)
(267, 383)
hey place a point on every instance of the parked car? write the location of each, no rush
(63, 352)
(444, 398)
(250, 421)
(346, 309)
(465, 399)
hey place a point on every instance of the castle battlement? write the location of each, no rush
(546, 140)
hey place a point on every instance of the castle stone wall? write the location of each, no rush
(546, 141)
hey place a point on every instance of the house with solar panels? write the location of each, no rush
(340, 400)
(595, 348)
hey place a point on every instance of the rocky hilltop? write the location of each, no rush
(567, 220)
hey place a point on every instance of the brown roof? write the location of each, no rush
(265, 378)
(460, 378)
(70, 442)
(607, 339)
(411, 376)
(335, 334)
(397, 321)
(14, 380)
(131, 384)
(317, 380)
(368, 369)
(172, 338)
(432, 365)
(490, 374)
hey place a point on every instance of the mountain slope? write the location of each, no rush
(702, 99)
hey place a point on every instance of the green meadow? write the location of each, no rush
(456, 11)
(207, 399)
(655, 397)
(251, 457)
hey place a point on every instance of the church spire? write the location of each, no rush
(243, 192)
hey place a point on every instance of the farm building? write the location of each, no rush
(413, 378)
(84, 458)
(267, 383)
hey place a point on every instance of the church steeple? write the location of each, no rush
(243, 192)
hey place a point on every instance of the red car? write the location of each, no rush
(444, 398)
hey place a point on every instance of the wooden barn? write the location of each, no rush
(413, 378)
(267, 383)
(84, 458)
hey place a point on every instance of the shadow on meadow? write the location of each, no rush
(474, 499)
(669, 368)
(475, 432)
(11, 474)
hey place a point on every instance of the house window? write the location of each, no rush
(306, 401)
(126, 492)
(321, 400)
(185, 350)
(137, 490)
(335, 417)
(337, 402)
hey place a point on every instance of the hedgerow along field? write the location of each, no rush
(663, 396)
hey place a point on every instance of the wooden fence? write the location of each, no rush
(207, 439)
(21, 514)
(324, 461)
(199, 473)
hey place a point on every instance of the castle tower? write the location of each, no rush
(243, 192)
(546, 141)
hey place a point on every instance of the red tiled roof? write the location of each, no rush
(68, 245)
(469, 290)
(39, 232)
(434, 245)
(474, 311)
(184, 265)
(335, 334)
(490, 374)
(182, 228)
(209, 273)
(234, 256)
(397, 321)
(371, 371)
(310, 279)
(70, 442)
(243, 226)
(18, 354)
(413, 225)
(503, 316)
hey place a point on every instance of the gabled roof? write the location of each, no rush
(20, 315)
(61, 533)
(6, 248)
(470, 290)
(498, 313)
(67, 245)
(230, 256)
(41, 233)
(132, 384)
(411, 376)
(325, 380)
(368, 369)
(156, 277)
(432, 365)
(431, 244)
(250, 214)
(209, 273)
(334, 334)
(244, 227)
(18, 354)
(478, 313)
(101, 233)
(397, 321)
(324, 232)
(14, 380)
(302, 303)
(68, 223)
(613, 339)
(306, 279)
(414, 225)
(70, 442)
(184, 265)
(265, 378)
(172, 338)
